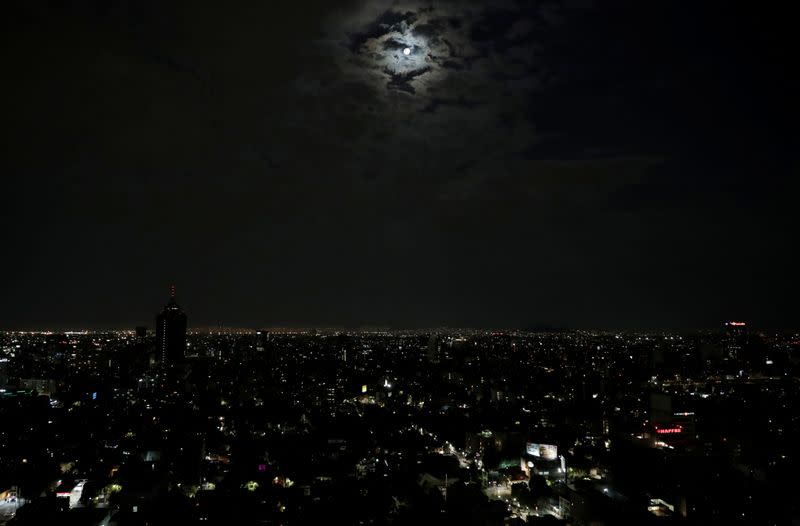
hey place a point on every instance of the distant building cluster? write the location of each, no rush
(281, 426)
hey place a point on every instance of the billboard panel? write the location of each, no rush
(543, 451)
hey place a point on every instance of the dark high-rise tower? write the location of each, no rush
(171, 332)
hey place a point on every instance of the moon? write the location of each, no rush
(407, 51)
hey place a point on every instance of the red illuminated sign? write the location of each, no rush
(669, 430)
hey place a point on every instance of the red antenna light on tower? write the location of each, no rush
(172, 291)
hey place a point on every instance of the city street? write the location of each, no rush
(8, 509)
(75, 495)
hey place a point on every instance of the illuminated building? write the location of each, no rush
(543, 460)
(434, 349)
(735, 334)
(266, 348)
(686, 421)
(171, 332)
(3, 371)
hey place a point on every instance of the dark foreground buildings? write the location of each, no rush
(462, 427)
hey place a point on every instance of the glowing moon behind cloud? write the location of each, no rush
(413, 49)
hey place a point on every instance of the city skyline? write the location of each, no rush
(398, 263)
(365, 327)
(470, 428)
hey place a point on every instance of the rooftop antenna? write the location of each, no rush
(172, 291)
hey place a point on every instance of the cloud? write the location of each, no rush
(462, 97)
(445, 39)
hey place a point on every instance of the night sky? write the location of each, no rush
(623, 164)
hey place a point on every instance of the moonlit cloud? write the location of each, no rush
(472, 67)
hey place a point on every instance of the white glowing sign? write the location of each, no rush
(544, 451)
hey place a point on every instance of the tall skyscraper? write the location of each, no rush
(434, 352)
(171, 332)
(734, 339)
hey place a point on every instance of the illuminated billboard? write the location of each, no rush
(669, 430)
(543, 451)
